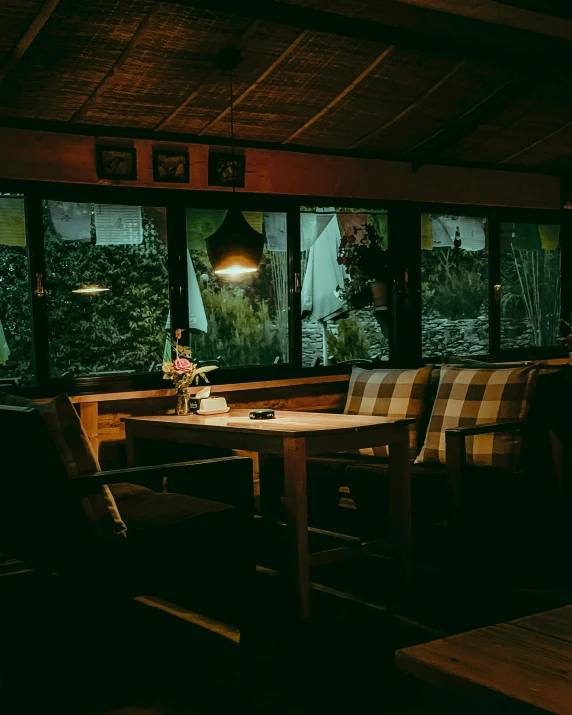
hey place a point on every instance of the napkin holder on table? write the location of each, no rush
(213, 405)
(195, 400)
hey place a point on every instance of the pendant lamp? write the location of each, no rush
(235, 247)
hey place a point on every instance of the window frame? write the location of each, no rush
(506, 214)
(404, 221)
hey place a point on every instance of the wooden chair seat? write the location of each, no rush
(148, 510)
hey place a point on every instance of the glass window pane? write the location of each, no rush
(530, 285)
(16, 364)
(454, 285)
(238, 319)
(107, 287)
(344, 274)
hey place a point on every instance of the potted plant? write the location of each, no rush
(567, 340)
(365, 256)
(182, 372)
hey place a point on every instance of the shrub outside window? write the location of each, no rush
(530, 285)
(16, 356)
(107, 288)
(454, 285)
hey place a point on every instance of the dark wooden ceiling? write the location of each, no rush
(399, 80)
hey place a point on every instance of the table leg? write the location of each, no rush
(130, 447)
(400, 499)
(297, 520)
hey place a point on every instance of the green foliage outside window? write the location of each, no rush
(452, 290)
(240, 332)
(15, 313)
(351, 342)
(122, 329)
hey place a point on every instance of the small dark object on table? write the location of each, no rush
(261, 414)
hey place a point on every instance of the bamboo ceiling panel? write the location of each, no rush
(170, 58)
(15, 18)
(466, 86)
(71, 55)
(540, 115)
(265, 45)
(388, 91)
(302, 86)
(549, 150)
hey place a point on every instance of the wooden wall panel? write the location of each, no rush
(45, 156)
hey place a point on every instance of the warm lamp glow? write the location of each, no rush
(235, 270)
(235, 247)
(90, 289)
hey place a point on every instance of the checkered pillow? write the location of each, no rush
(389, 393)
(468, 397)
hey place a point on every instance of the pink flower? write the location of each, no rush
(182, 365)
(178, 333)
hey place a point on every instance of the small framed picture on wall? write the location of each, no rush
(116, 162)
(227, 170)
(172, 166)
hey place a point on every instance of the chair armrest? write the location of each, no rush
(456, 455)
(228, 479)
(489, 428)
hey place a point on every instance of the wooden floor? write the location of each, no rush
(159, 661)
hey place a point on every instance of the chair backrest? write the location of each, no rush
(41, 521)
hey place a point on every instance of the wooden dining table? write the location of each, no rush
(524, 665)
(295, 435)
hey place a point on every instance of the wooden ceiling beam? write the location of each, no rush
(552, 8)
(211, 77)
(342, 94)
(411, 27)
(513, 14)
(410, 108)
(278, 61)
(537, 142)
(80, 113)
(43, 15)
(431, 149)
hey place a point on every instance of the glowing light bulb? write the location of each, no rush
(90, 289)
(235, 271)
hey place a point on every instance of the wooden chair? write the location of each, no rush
(76, 622)
(43, 521)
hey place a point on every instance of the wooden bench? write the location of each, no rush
(526, 662)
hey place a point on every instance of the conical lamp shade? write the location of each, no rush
(235, 247)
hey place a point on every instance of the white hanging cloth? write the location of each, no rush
(118, 225)
(72, 221)
(324, 276)
(4, 349)
(197, 315)
(312, 225)
(275, 232)
(471, 232)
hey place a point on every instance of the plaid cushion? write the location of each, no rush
(389, 393)
(468, 397)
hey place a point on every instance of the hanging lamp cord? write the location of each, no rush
(232, 133)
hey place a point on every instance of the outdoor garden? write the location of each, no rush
(245, 319)
(455, 292)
